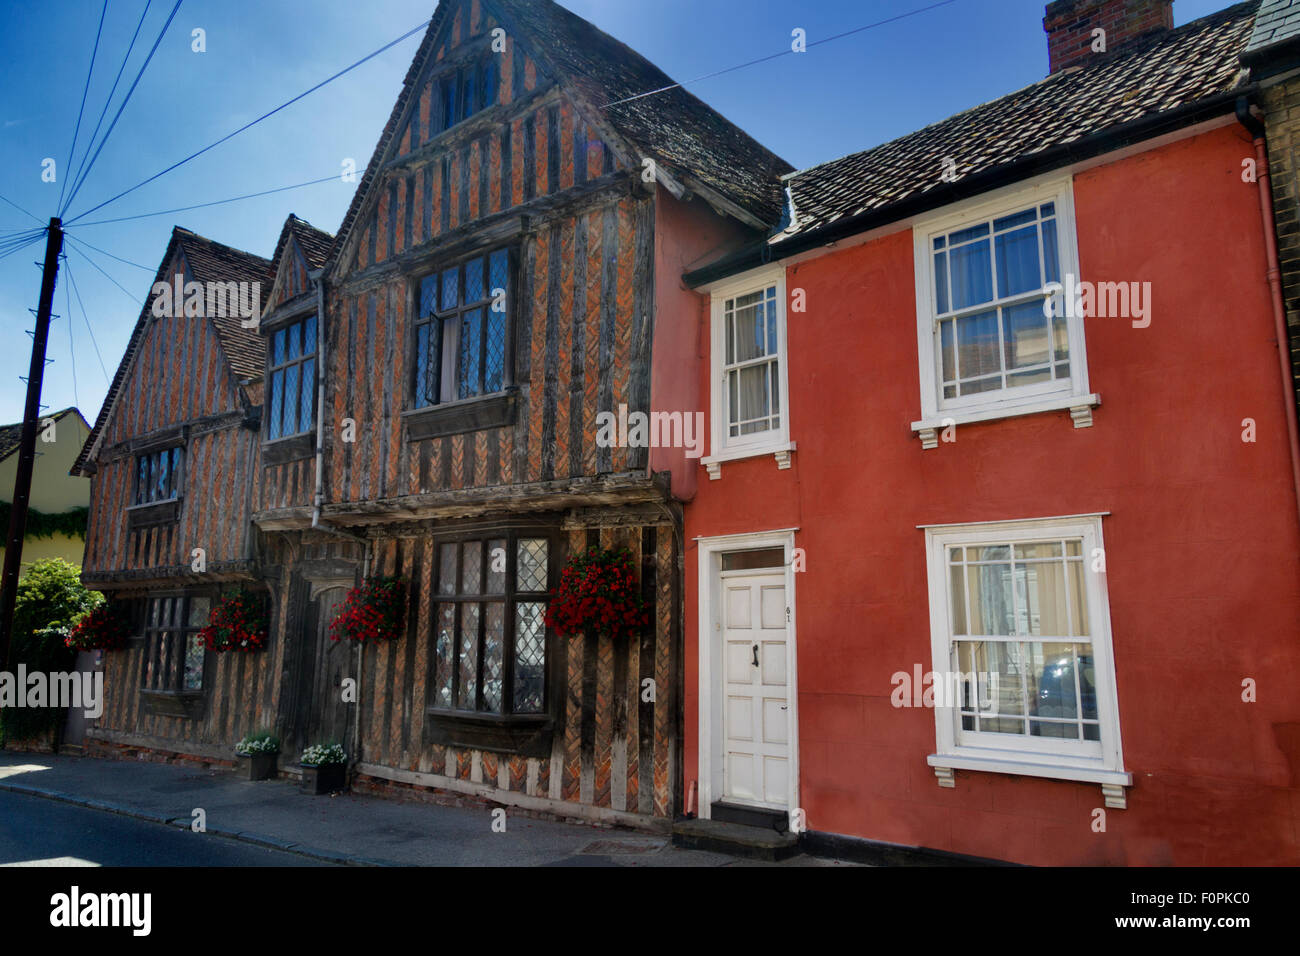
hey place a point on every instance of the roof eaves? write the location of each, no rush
(1032, 164)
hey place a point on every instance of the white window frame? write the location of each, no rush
(774, 441)
(1043, 756)
(938, 413)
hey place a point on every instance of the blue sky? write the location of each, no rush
(835, 99)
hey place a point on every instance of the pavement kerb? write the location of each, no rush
(183, 823)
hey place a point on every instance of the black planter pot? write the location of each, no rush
(325, 778)
(260, 766)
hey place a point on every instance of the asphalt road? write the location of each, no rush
(39, 832)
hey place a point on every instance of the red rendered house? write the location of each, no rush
(995, 549)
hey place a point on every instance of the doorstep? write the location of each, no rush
(737, 839)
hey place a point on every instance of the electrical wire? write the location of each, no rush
(22, 210)
(252, 123)
(72, 151)
(216, 202)
(152, 270)
(773, 56)
(127, 99)
(72, 348)
(120, 70)
(107, 276)
(86, 318)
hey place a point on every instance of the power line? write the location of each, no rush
(108, 277)
(773, 56)
(72, 151)
(10, 252)
(152, 270)
(23, 211)
(216, 202)
(86, 318)
(72, 348)
(264, 116)
(118, 115)
(120, 70)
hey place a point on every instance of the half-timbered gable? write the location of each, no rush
(174, 432)
(173, 460)
(291, 333)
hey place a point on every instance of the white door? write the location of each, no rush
(756, 725)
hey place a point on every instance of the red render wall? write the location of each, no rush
(685, 232)
(1203, 551)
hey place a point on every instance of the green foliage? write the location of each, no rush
(50, 602)
(42, 525)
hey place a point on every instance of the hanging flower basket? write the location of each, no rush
(238, 622)
(372, 612)
(106, 628)
(599, 593)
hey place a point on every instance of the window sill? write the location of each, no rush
(1112, 782)
(527, 735)
(497, 410)
(780, 451)
(173, 703)
(1080, 407)
(279, 451)
(153, 513)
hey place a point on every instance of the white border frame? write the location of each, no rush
(765, 443)
(710, 744)
(1108, 767)
(1053, 187)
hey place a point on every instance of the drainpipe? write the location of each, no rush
(1251, 122)
(318, 523)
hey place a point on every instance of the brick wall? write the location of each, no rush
(1069, 25)
(1281, 105)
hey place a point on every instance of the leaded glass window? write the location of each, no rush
(460, 332)
(489, 631)
(291, 380)
(158, 476)
(173, 652)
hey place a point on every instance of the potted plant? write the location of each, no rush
(324, 768)
(372, 612)
(259, 752)
(598, 594)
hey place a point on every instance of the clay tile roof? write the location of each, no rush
(696, 143)
(674, 126)
(214, 262)
(210, 262)
(1146, 76)
(314, 243)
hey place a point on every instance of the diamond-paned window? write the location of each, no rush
(490, 633)
(460, 332)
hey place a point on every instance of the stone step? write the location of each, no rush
(754, 843)
(723, 812)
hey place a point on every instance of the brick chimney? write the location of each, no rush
(1069, 25)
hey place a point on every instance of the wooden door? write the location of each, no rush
(756, 725)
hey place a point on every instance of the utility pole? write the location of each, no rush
(27, 448)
